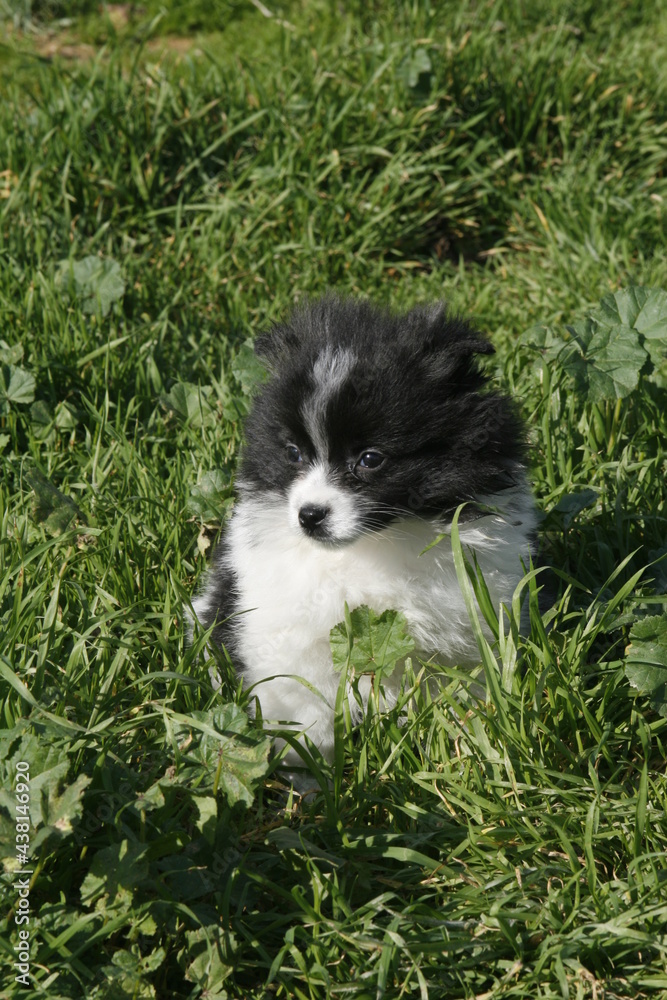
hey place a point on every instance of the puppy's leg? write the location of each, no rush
(296, 687)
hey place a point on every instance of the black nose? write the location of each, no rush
(311, 517)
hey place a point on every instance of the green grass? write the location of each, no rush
(508, 158)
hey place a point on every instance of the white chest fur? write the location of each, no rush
(292, 591)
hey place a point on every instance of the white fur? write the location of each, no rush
(315, 487)
(292, 591)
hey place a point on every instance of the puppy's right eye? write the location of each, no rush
(370, 460)
(293, 454)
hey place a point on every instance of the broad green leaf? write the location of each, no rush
(621, 340)
(41, 413)
(210, 497)
(415, 65)
(544, 338)
(96, 283)
(604, 361)
(191, 403)
(374, 643)
(184, 875)
(59, 812)
(228, 718)
(128, 975)
(66, 418)
(17, 387)
(151, 799)
(572, 504)
(235, 753)
(207, 807)
(55, 806)
(646, 662)
(248, 369)
(116, 871)
(10, 355)
(53, 509)
(37, 750)
(209, 963)
(645, 310)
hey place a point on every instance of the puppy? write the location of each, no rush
(370, 430)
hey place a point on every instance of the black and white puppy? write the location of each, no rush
(369, 432)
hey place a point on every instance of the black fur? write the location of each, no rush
(416, 393)
(226, 600)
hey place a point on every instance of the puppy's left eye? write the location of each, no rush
(293, 453)
(370, 460)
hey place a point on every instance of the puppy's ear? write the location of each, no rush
(449, 352)
(473, 344)
(452, 334)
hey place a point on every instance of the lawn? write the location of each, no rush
(173, 178)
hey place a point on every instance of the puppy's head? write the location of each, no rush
(368, 416)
